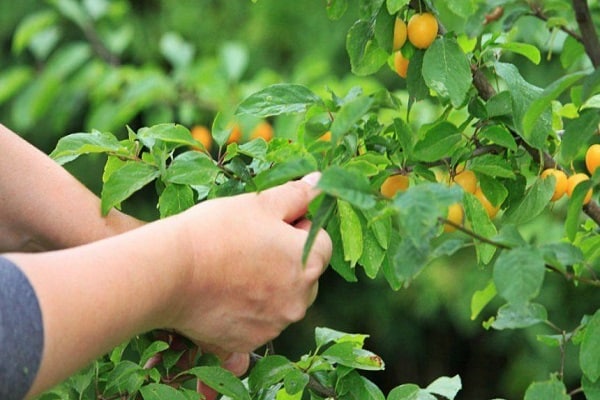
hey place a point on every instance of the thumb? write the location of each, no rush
(290, 200)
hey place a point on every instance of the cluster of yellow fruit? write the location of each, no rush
(202, 134)
(566, 185)
(421, 31)
(465, 179)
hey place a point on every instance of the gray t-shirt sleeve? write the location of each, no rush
(21, 332)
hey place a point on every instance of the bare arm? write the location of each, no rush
(226, 273)
(43, 206)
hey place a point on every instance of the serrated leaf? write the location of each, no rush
(535, 201)
(268, 371)
(542, 103)
(446, 70)
(221, 380)
(168, 133)
(366, 56)
(589, 353)
(347, 354)
(127, 377)
(481, 298)
(578, 133)
(445, 386)
(157, 391)
(523, 94)
(125, 181)
(527, 50)
(192, 168)
(519, 274)
(281, 173)
(348, 186)
(151, 350)
(324, 335)
(280, 98)
(348, 115)
(351, 230)
(74, 145)
(318, 221)
(439, 140)
(481, 225)
(519, 316)
(552, 389)
(174, 199)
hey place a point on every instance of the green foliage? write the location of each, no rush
(470, 101)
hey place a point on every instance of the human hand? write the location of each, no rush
(245, 281)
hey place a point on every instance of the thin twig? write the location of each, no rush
(589, 35)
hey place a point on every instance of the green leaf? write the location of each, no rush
(281, 173)
(353, 386)
(73, 10)
(519, 274)
(481, 225)
(348, 115)
(349, 355)
(366, 56)
(590, 389)
(404, 260)
(445, 386)
(324, 335)
(336, 9)
(518, 316)
(281, 98)
(126, 377)
(393, 6)
(527, 50)
(578, 133)
(318, 221)
(562, 254)
(574, 209)
(295, 381)
(589, 353)
(523, 94)
(347, 185)
(154, 348)
(542, 103)
(12, 80)
(499, 135)
(351, 230)
(32, 26)
(535, 201)
(221, 380)
(439, 140)
(174, 199)
(192, 168)
(168, 133)
(125, 181)
(551, 389)
(409, 391)
(416, 85)
(157, 391)
(72, 146)
(446, 70)
(373, 254)
(337, 261)
(492, 165)
(481, 298)
(268, 371)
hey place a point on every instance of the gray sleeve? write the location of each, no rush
(21, 332)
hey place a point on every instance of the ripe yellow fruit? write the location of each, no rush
(422, 29)
(400, 64)
(467, 180)
(326, 137)
(236, 134)
(560, 186)
(399, 34)
(394, 184)
(575, 180)
(262, 130)
(592, 158)
(202, 134)
(489, 207)
(455, 215)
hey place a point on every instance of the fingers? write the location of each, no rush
(290, 200)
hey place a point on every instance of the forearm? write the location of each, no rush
(43, 206)
(96, 296)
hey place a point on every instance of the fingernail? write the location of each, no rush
(312, 179)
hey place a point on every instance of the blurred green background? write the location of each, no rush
(138, 63)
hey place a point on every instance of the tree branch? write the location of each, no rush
(589, 36)
(538, 13)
